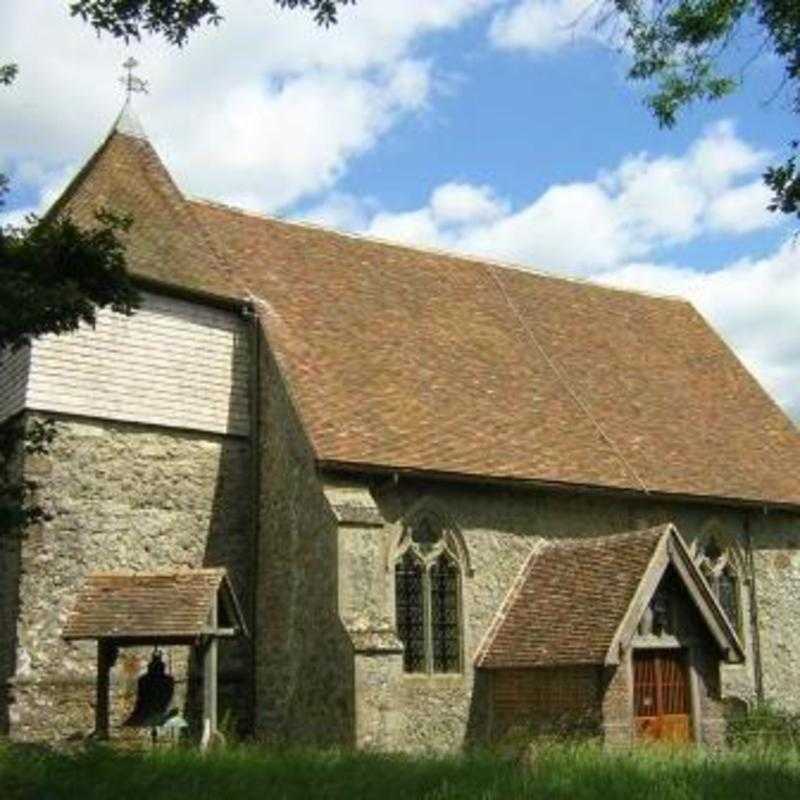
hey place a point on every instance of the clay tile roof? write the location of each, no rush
(131, 605)
(411, 360)
(415, 360)
(569, 601)
(166, 243)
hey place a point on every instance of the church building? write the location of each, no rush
(420, 501)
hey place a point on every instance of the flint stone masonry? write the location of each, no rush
(304, 658)
(329, 669)
(776, 559)
(118, 496)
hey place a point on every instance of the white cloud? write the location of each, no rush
(585, 227)
(265, 145)
(46, 185)
(742, 209)
(462, 202)
(571, 226)
(544, 26)
(452, 213)
(265, 109)
(342, 212)
(672, 199)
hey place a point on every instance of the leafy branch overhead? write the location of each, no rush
(55, 275)
(176, 19)
(689, 47)
(18, 500)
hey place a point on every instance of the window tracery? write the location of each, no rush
(720, 565)
(427, 584)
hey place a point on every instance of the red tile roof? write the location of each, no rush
(166, 241)
(408, 359)
(569, 601)
(140, 605)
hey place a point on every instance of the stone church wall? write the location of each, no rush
(499, 527)
(118, 496)
(776, 561)
(304, 678)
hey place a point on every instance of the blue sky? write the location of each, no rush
(494, 127)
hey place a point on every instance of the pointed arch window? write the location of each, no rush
(410, 605)
(427, 584)
(719, 564)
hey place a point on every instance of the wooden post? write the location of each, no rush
(210, 662)
(105, 660)
(210, 687)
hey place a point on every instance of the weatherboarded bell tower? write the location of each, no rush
(151, 466)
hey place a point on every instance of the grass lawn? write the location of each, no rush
(244, 772)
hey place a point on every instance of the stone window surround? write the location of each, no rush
(451, 543)
(730, 560)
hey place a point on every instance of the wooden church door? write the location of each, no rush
(661, 695)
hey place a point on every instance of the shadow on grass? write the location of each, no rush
(244, 772)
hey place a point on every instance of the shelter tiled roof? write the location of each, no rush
(569, 601)
(141, 605)
(411, 360)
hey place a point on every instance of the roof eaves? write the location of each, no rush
(527, 482)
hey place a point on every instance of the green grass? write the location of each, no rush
(243, 772)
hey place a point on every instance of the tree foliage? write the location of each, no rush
(55, 275)
(176, 19)
(18, 502)
(687, 48)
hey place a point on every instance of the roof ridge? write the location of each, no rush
(436, 251)
(579, 541)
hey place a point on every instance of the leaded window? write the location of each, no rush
(427, 579)
(444, 615)
(728, 594)
(410, 611)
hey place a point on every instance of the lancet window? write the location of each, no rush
(427, 582)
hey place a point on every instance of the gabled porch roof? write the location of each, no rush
(579, 601)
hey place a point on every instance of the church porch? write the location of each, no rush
(619, 638)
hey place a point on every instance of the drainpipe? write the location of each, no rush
(758, 671)
(254, 394)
